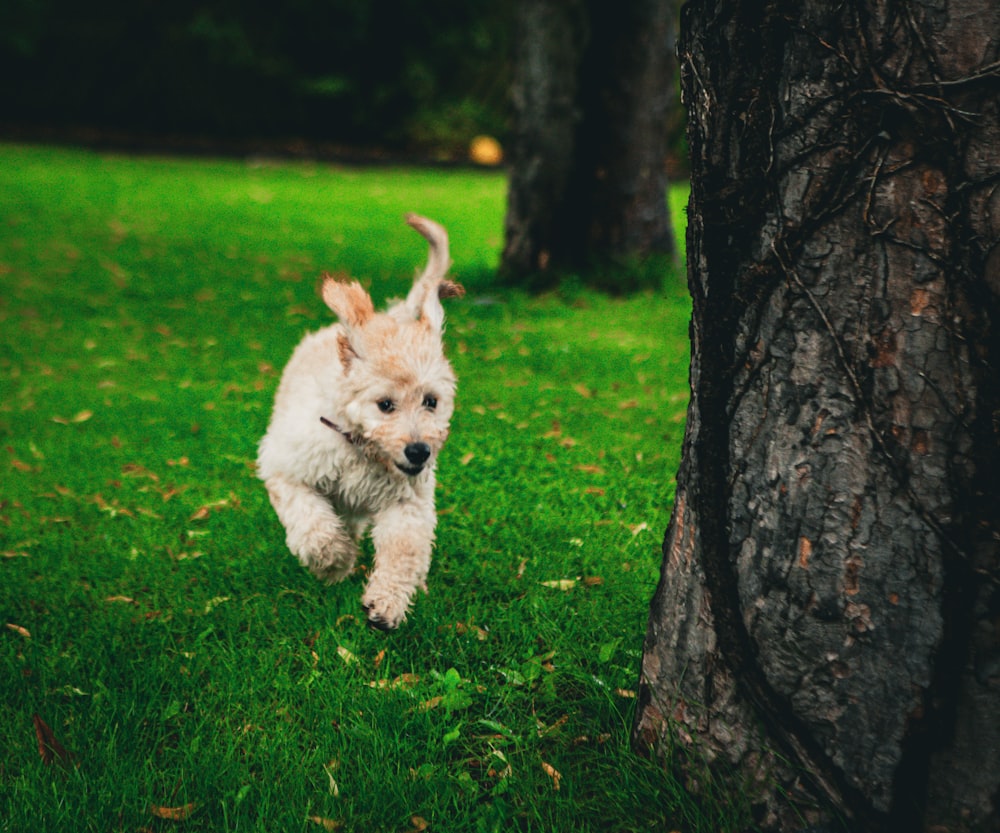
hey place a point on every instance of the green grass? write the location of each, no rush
(156, 621)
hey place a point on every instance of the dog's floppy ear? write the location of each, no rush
(353, 307)
(348, 300)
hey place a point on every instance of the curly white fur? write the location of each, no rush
(360, 414)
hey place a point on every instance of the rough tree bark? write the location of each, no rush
(826, 632)
(592, 90)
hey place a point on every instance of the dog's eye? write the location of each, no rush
(430, 402)
(386, 406)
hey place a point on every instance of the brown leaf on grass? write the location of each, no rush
(419, 824)
(21, 466)
(204, 511)
(592, 581)
(583, 390)
(167, 492)
(82, 416)
(326, 824)
(543, 730)
(590, 469)
(137, 470)
(553, 773)
(402, 681)
(480, 634)
(467, 458)
(113, 508)
(126, 599)
(49, 749)
(18, 629)
(433, 703)
(173, 813)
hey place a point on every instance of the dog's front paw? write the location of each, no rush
(386, 608)
(328, 554)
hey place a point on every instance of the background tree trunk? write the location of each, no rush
(826, 632)
(592, 91)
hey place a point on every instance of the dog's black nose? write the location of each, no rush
(417, 453)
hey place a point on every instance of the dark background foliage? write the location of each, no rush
(413, 75)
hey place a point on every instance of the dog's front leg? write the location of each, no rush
(403, 536)
(315, 534)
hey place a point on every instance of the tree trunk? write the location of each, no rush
(548, 48)
(826, 632)
(592, 92)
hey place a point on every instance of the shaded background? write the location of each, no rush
(417, 77)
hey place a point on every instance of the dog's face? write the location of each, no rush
(401, 389)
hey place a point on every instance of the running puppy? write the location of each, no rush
(359, 417)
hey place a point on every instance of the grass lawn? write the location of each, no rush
(150, 615)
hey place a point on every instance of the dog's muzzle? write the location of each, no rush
(416, 455)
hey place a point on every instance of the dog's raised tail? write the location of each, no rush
(432, 281)
(438, 260)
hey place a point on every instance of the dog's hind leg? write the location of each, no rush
(315, 534)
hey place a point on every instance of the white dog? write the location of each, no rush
(360, 415)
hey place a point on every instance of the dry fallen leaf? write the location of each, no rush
(213, 603)
(138, 470)
(329, 769)
(433, 703)
(49, 749)
(561, 584)
(419, 824)
(326, 824)
(18, 629)
(173, 813)
(204, 511)
(82, 416)
(346, 655)
(126, 599)
(402, 681)
(553, 773)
